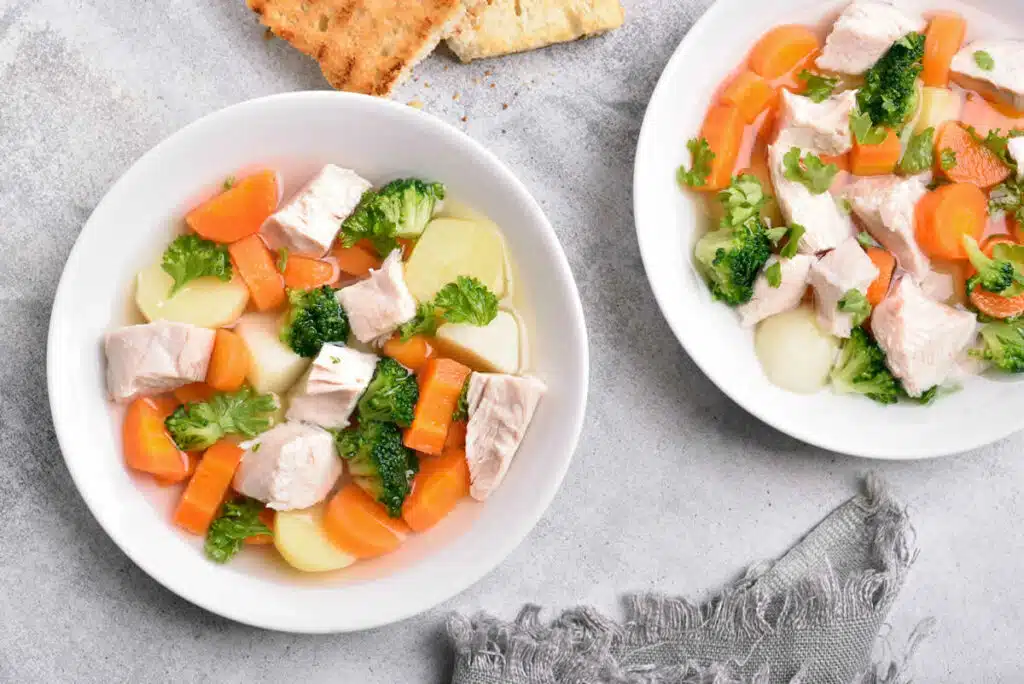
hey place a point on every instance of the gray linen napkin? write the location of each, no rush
(811, 617)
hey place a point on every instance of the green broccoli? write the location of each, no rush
(200, 425)
(861, 370)
(994, 275)
(889, 95)
(730, 259)
(391, 395)
(1002, 344)
(379, 462)
(856, 304)
(315, 318)
(238, 520)
(402, 208)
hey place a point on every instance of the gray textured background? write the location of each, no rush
(673, 486)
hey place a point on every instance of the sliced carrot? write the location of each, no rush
(238, 212)
(166, 404)
(781, 49)
(201, 501)
(229, 362)
(456, 435)
(307, 273)
(194, 392)
(360, 526)
(147, 445)
(942, 41)
(842, 161)
(413, 353)
(944, 216)
(356, 260)
(996, 305)
(441, 483)
(441, 382)
(975, 163)
(723, 129)
(193, 461)
(751, 94)
(267, 516)
(886, 265)
(256, 265)
(876, 160)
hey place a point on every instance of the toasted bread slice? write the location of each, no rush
(363, 46)
(507, 26)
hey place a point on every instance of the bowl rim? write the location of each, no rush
(527, 518)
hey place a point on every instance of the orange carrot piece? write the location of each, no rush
(357, 260)
(441, 382)
(307, 273)
(442, 482)
(147, 445)
(412, 353)
(267, 517)
(876, 160)
(975, 163)
(166, 404)
(944, 216)
(193, 461)
(201, 501)
(194, 392)
(751, 94)
(886, 265)
(996, 305)
(229, 362)
(256, 265)
(842, 161)
(942, 41)
(360, 526)
(238, 212)
(723, 129)
(781, 49)
(456, 435)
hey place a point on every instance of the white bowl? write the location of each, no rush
(668, 221)
(296, 134)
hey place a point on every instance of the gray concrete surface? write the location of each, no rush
(673, 486)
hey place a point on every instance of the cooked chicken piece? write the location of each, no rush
(939, 286)
(845, 268)
(311, 219)
(156, 357)
(822, 128)
(290, 466)
(1004, 73)
(767, 300)
(886, 206)
(500, 410)
(1016, 148)
(378, 305)
(329, 392)
(921, 338)
(863, 33)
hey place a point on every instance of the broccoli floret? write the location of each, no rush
(315, 319)
(391, 396)
(889, 95)
(461, 411)
(379, 462)
(1002, 344)
(861, 370)
(402, 208)
(730, 259)
(994, 275)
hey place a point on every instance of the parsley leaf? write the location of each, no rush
(743, 199)
(844, 205)
(865, 132)
(1008, 197)
(200, 425)
(282, 259)
(947, 159)
(855, 303)
(238, 520)
(984, 60)
(774, 274)
(190, 257)
(466, 300)
(776, 234)
(819, 88)
(809, 170)
(793, 235)
(697, 176)
(919, 156)
(461, 411)
(866, 241)
(229, 183)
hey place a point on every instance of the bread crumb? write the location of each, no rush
(416, 104)
(494, 85)
(456, 97)
(504, 105)
(487, 73)
(465, 119)
(426, 84)
(268, 35)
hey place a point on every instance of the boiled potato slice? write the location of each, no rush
(938, 105)
(275, 367)
(495, 345)
(795, 353)
(450, 248)
(299, 537)
(207, 302)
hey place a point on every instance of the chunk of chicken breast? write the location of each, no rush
(156, 357)
(820, 127)
(921, 338)
(290, 466)
(311, 219)
(845, 268)
(328, 393)
(500, 410)
(767, 300)
(886, 205)
(378, 305)
(863, 33)
(1006, 75)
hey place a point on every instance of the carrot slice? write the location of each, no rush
(456, 435)
(749, 93)
(256, 265)
(781, 49)
(441, 382)
(360, 526)
(307, 273)
(876, 160)
(201, 501)
(942, 41)
(147, 445)
(357, 260)
(412, 353)
(842, 161)
(267, 516)
(886, 265)
(442, 482)
(238, 212)
(723, 129)
(192, 461)
(975, 163)
(996, 305)
(194, 392)
(944, 216)
(229, 362)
